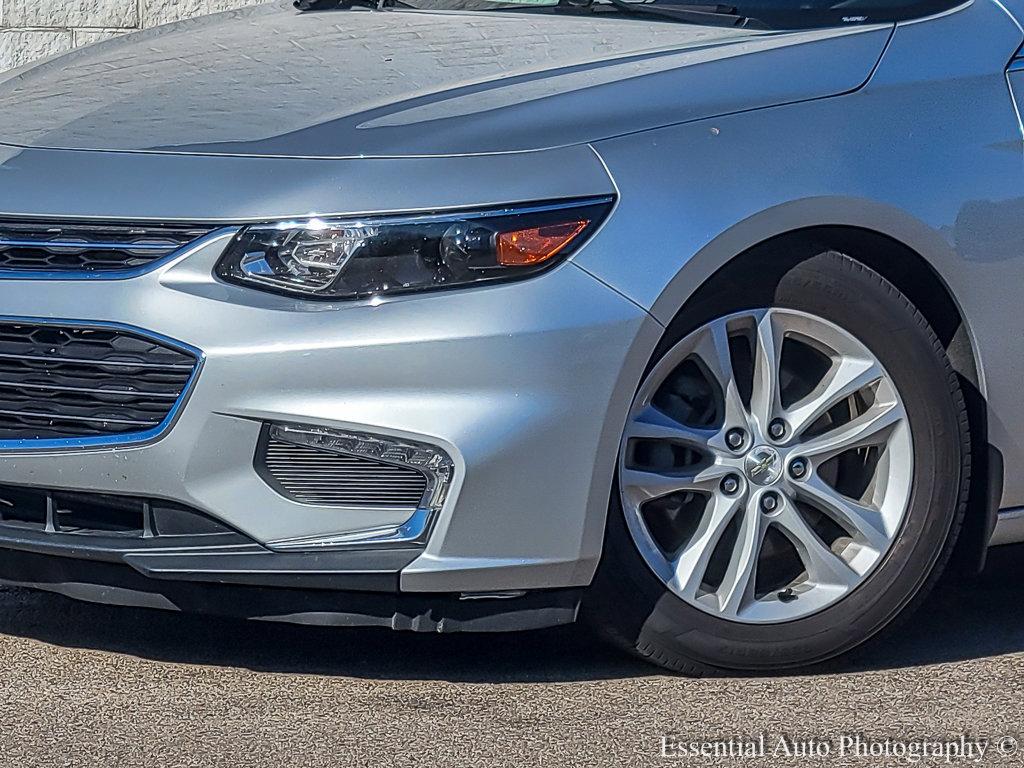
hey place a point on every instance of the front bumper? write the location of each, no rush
(149, 553)
(524, 386)
(225, 557)
(112, 583)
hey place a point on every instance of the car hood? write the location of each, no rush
(269, 81)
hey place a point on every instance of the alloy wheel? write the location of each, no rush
(766, 466)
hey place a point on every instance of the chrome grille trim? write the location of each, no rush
(87, 390)
(44, 248)
(80, 245)
(101, 363)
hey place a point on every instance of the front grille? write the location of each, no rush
(98, 514)
(312, 476)
(64, 381)
(88, 248)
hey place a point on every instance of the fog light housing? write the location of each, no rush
(431, 462)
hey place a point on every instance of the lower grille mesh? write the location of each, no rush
(96, 514)
(61, 381)
(312, 476)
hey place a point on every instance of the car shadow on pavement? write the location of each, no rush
(956, 623)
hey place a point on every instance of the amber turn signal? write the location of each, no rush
(526, 247)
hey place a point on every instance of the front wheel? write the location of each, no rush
(791, 478)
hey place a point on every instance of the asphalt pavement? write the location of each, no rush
(87, 685)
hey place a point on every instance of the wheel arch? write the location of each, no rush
(753, 272)
(759, 267)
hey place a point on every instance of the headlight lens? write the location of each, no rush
(352, 258)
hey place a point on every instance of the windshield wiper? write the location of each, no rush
(719, 15)
(327, 5)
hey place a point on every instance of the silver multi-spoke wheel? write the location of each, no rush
(766, 466)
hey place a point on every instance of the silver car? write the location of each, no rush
(699, 323)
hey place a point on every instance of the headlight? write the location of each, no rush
(347, 258)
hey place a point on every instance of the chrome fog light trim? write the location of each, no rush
(436, 465)
(412, 533)
(431, 461)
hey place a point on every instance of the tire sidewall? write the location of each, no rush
(841, 291)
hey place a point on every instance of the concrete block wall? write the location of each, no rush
(33, 29)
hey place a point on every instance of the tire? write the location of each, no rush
(636, 609)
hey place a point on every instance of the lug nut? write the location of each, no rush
(798, 468)
(735, 438)
(730, 484)
(769, 503)
(777, 429)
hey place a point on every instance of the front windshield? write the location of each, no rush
(771, 14)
